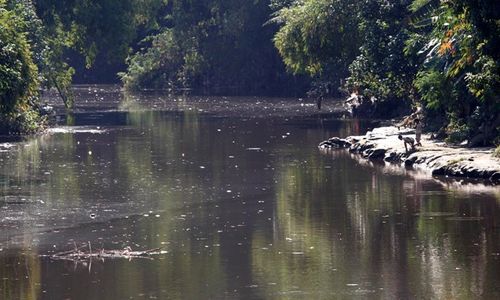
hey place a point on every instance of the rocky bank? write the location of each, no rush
(436, 157)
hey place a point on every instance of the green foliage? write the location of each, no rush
(483, 83)
(159, 66)
(21, 121)
(18, 76)
(18, 73)
(92, 27)
(279, 4)
(32, 26)
(47, 48)
(457, 132)
(210, 46)
(318, 37)
(458, 76)
(382, 71)
(434, 89)
(443, 54)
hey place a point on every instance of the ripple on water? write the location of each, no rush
(77, 129)
(435, 214)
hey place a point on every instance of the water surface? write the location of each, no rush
(244, 204)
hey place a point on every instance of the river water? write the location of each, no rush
(242, 203)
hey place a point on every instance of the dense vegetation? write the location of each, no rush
(18, 74)
(212, 46)
(41, 39)
(441, 55)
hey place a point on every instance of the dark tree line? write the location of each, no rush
(212, 47)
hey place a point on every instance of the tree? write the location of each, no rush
(382, 74)
(318, 37)
(90, 28)
(108, 26)
(18, 75)
(460, 77)
(212, 46)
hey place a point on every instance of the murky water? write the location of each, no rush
(245, 206)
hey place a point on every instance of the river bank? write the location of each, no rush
(433, 156)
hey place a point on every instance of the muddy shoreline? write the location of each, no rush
(433, 156)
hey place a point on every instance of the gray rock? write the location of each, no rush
(410, 161)
(339, 143)
(334, 143)
(376, 153)
(382, 143)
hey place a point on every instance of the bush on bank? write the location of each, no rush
(19, 82)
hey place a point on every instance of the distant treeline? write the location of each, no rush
(442, 55)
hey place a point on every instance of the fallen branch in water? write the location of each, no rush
(85, 253)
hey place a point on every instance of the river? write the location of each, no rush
(242, 203)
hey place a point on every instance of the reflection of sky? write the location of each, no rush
(246, 208)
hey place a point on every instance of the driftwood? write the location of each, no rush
(85, 253)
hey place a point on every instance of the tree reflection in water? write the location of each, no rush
(283, 222)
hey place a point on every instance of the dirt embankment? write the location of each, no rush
(436, 157)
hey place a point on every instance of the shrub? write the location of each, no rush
(18, 77)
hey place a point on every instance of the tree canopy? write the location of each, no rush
(212, 46)
(18, 72)
(441, 55)
(318, 37)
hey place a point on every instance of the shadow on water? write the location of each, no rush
(242, 201)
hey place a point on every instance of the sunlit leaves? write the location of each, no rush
(18, 73)
(317, 36)
(19, 80)
(382, 72)
(459, 76)
(484, 84)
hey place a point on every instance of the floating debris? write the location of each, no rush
(465, 219)
(435, 214)
(6, 146)
(85, 253)
(77, 129)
